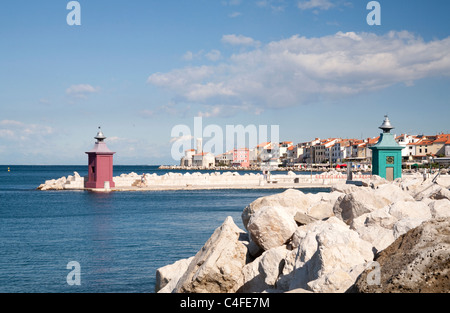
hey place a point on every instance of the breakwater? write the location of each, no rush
(197, 180)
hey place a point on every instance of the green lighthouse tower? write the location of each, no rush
(387, 154)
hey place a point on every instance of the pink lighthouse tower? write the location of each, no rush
(100, 164)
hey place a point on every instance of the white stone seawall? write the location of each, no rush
(198, 180)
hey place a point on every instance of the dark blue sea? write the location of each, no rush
(119, 239)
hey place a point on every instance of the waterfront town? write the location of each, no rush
(418, 150)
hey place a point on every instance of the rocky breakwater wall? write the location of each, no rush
(326, 242)
(187, 179)
(132, 179)
(196, 179)
(71, 182)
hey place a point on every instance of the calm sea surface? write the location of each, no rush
(119, 239)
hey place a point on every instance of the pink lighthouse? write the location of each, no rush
(100, 164)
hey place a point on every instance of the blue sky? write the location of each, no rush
(139, 68)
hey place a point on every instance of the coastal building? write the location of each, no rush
(364, 155)
(406, 141)
(387, 154)
(298, 153)
(445, 159)
(439, 144)
(253, 157)
(262, 150)
(100, 164)
(283, 148)
(224, 159)
(241, 157)
(188, 158)
(424, 148)
(338, 151)
(323, 150)
(268, 152)
(204, 159)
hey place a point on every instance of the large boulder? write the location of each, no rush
(292, 201)
(357, 203)
(376, 227)
(262, 274)
(271, 227)
(432, 191)
(393, 193)
(322, 204)
(167, 277)
(418, 261)
(330, 256)
(217, 267)
(440, 208)
(343, 188)
(410, 209)
(378, 236)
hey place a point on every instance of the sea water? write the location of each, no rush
(119, 239)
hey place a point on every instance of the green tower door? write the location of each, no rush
(390, 173)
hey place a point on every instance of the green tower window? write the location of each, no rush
(390, 160)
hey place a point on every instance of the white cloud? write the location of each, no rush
(239, 40)
(222, 110)
(81, 91)
(315, 4)
(234, 14)
(300, 70)
(274, 5)
(182, 138)
(188, 56)
(10, 123)
(231, 2)
(214, 55)
(22, 132)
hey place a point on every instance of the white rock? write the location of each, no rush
(378, 236)
(167, 277)
(381, 218)
(217, 267)
(291, 200)
(431, 190)
(393, 193)
(440, 208)
(325, 250)
(323, 207)
(262, 273)
(405, 225)
(358, 203)
(287, 272)
(271, 227)
(410, 209)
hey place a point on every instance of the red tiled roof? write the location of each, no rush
(262, 145)
(442, 138)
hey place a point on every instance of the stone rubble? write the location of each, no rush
(325, 242)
